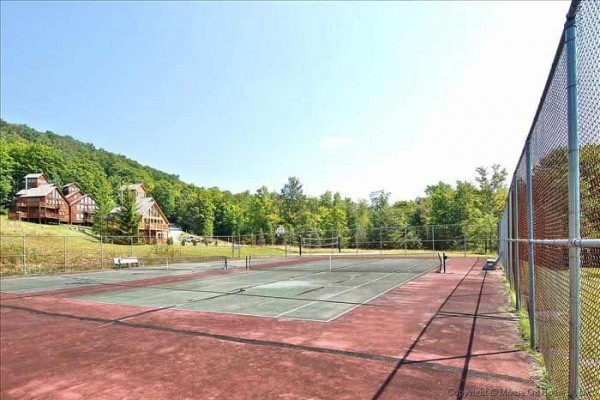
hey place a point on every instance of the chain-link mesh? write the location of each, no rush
(83, 251)
(548, 147)
(523, 255)
(588, 91)
(551, 221)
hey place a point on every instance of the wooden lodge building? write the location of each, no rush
(81, 206)
(153, 222)
(41, 201)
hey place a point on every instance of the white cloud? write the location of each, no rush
(335, 142)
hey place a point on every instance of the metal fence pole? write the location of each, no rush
(24, 257)
(530, 255)
(509, 243)
(465, 241)
(65, 252)
(516, 265)
(356, 238)
(433, 239)
(130, 246)
(574, 211)
(405, 240)
(101, 252)
(380, 242)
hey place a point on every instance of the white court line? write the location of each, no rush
(382, 293)
(337, 294)
(350, 288)
(356, 287)
(249, 315)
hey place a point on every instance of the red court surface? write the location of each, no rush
(440, 336)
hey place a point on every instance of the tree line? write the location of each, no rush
(471, 207)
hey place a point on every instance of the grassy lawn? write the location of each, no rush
(31, 248)
(55, 249)
(552, 298)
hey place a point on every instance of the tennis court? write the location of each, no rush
(319, 290)
(304, 327)
(315, 291)
(41, 283)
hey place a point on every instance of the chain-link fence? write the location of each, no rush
(84, 251)
(550, 229)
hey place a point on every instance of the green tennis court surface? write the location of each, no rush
(319, 290)
(67, 281)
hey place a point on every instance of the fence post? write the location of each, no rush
(380, 242)
(357, 229)
(24, 257)
(465, 241)
(433, 239)
(130, 246)
(232, 245)
(65, 252)
(516, 265)
(574, 210)
(530, 258)
(509, 238)
(101, 252)
(405, 240)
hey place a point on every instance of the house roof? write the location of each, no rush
(71, 184)
(34, 175)
(141, 207)
(79, 199)
(134, 186)
(68, 196)
(144, 204)
(40, 191)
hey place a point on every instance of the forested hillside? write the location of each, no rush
(212, 211)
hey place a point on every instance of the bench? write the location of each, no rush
(490, 264)
(126, 261)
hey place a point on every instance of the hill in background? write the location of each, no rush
(473, 208)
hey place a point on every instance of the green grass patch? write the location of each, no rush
(28, 248)
(542, 378)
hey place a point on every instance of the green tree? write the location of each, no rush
(127, 217)
(492, 189)
(441, 202)
(292, 201)
(104, 202)
(165, 194)
(6, 172)
(198, 213)
(378, 208)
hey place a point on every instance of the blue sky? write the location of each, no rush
(350, 97)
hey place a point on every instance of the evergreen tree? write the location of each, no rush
(127, 217)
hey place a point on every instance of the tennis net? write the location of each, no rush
(343, 263)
